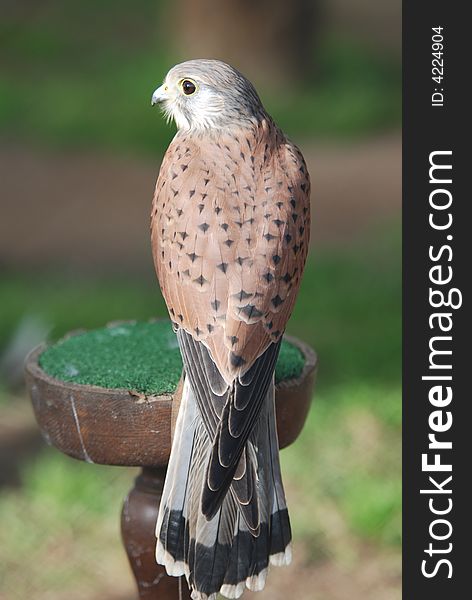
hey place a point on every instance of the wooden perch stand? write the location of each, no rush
(116, 427)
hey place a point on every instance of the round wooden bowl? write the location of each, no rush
(119, 427)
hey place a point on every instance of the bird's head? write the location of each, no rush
(208, 94)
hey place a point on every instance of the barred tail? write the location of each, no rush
(222, 554)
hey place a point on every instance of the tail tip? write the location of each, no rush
(256, 583)
(174, 568)
(232, 591)
(282, 558)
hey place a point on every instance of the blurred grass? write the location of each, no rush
(67, 79)
(64, 525)
(343, 475)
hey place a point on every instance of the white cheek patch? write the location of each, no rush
(202, 110)
(180, 119)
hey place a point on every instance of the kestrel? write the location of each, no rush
(229, 228)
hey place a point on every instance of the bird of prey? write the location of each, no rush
(230, 226)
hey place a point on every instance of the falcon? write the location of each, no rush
(230, 227)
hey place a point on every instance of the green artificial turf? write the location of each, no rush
(138, 356)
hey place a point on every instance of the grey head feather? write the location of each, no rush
(223, 96)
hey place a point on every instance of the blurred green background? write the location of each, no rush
(80, 149)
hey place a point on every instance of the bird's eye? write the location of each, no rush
(188, 87)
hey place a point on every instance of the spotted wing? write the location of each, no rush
(230, 228)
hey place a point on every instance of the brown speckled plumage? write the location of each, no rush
(230, 228)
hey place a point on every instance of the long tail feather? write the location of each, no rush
(224, 554)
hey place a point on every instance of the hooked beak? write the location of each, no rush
(159, 95)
